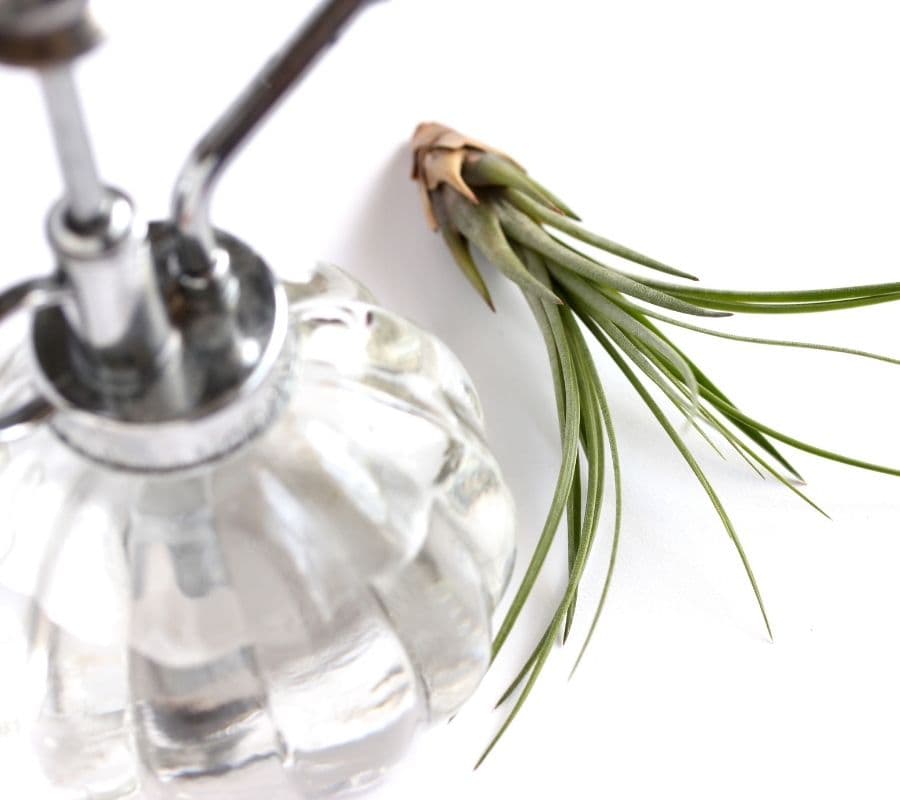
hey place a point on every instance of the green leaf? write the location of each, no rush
(533, 209)
(827, 348)
(603, 308)
(592, 507)
(745, 452)
(737, 307)
(524, 230)
(586, 362)
(491, 169)
(480, 226)
(704, 380)
(793, 296)
(749, 453)
(537, 267)
(730, 411)
(573, 524)
(687, 456)
(466, 263)
(593, 444)
(459, 250)
(554, 338)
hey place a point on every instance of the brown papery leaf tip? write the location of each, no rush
(439, 153)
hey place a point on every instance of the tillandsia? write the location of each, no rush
(482, 200)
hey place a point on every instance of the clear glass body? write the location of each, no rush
(276, 625)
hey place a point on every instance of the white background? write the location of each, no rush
(753, 144)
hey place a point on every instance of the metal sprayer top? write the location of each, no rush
(160, 347)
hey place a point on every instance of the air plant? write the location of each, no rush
(482, 200)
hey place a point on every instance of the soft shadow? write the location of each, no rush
(390, 247)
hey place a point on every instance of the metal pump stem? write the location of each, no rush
(116, 307)
(111, 297)
(85, 195)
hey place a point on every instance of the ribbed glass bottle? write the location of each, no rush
(276, 624)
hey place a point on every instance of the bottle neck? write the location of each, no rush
(220, 381)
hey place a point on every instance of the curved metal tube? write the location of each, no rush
(197, 180)
(32, 294)
(29, 295)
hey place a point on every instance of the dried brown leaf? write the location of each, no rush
(439, 153)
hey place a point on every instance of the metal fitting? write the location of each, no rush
(40, 33)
